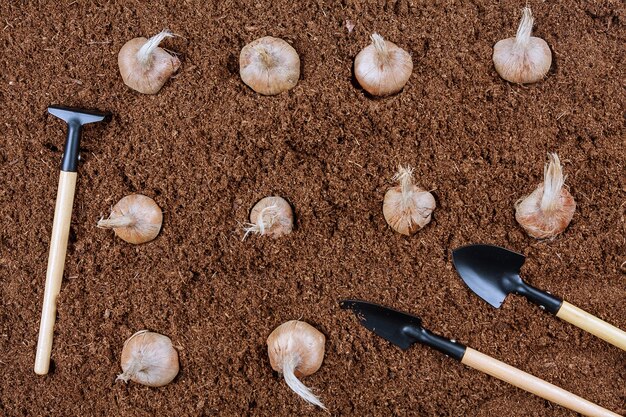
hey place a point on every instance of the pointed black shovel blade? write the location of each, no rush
(387, 323)
(400, 328)
(493, 272)
(490, 271)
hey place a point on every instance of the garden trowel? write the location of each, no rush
(493, 272)
(403, 330)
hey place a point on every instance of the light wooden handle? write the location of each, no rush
(54, 274)
(580, 318)
(532, 384)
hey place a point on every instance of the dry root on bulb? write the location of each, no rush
(269, 65)
(407, 207)
(382, 68)
(150, 359)
(548, 210)
(271, 216)
(135, 219)
(144, 66)
(296, 349)
(524, 58)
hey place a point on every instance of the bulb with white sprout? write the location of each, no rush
(549, 209)
(271, 216)
(135, 218)
(144, 66)
(407, 207)
(382, 68)
(296, 349)
(524, 58)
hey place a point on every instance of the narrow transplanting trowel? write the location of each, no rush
(403, 330)
(493, 272)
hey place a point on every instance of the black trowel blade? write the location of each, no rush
(385, 322)
(490, 271)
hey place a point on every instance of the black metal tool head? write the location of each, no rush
(79, 116)
(397, 327)
(490, 271)
(400, 328)
(75, 119)
(493, 272)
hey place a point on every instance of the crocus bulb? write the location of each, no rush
(547, 211)
(150, 359)
(144, 66)
(382, 68)
(135, 219)
(524, 58)
(407, 207)
(269, 65)
(271, 216)
(296, 349)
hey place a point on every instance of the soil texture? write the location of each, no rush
(207, 148)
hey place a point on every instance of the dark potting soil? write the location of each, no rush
(206, 148)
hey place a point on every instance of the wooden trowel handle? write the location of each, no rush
(592, 324)
(532, 384)
(54, 274)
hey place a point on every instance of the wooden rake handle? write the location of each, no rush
(532, 384)
(54, 274)
(590, 323)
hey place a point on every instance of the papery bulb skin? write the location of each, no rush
(296, 349)
(149, 359)
(407, 207)
(144, 66)
(549, 209)
(135, 219)
(382, 68)
(271, 216)
(269, 66)
(523, 59)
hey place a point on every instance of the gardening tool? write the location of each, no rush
(492, 273)
(403, 330)
(75, 119)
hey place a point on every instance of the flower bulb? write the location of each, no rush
(150, 359)
(407, 207)
(524, 58)
(382, 68)
(144, 66)
(271, 216)
(269, 65)
(296, 349)
(548, 210)
(135, 219)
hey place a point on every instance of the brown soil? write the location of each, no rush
(206, 148)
